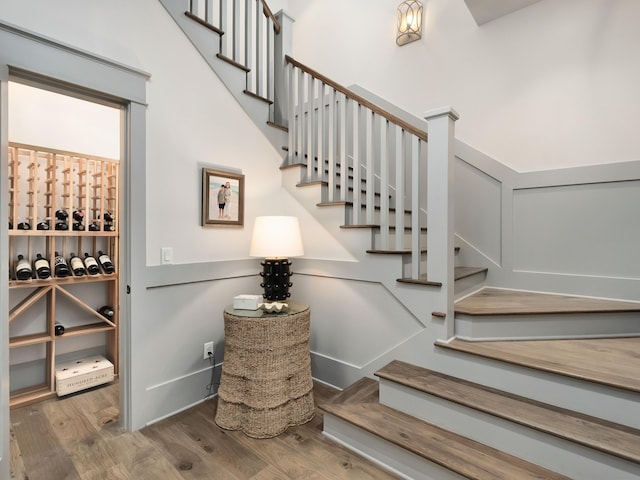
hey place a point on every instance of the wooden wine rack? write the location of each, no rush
(43, 181)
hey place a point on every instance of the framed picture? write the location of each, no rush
(222, 198)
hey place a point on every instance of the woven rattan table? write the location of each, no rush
(266, 383)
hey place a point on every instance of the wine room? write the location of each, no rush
(64, 213)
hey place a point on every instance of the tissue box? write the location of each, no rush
(247, 302)
(84, 373)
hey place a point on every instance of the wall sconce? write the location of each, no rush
(276, 239)
(409, 22)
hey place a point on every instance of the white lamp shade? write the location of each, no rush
(276, 237)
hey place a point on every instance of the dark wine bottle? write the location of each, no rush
(77, 266)
(24, 226)
(107, 312)
(10, 225)
(105, 263)
(108, 222)
(94, 227)
(41, 266)
(62, 223)
(91, 264)
(60, 267)
(78, 226)
(23, 269)
(43, 225)
(58, 329)
(78, 216)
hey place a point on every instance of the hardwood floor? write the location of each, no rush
(78, 437)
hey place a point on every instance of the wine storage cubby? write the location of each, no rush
(63, 209)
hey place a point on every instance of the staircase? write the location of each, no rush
(426, 425)
(362, 170)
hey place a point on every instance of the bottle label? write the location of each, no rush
(76, 264)
(90, 262)
(41, 263)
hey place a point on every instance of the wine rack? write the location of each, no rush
(61, 203)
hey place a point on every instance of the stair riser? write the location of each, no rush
(549, 451)
(467, 285)
(530, 327)
(399, 461)
(391, 241)
(351, 218)
(596, 400)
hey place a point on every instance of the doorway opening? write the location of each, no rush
(65, 178)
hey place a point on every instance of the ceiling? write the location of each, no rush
(484, 11)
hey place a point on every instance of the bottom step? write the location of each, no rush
(417, 449)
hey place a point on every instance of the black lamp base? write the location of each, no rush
(276, 274)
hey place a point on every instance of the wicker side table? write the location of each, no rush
(266, 383)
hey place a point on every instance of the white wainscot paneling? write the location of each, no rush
(590, 229)
(478, 209)
(353, 322)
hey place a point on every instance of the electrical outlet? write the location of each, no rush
(208, 350)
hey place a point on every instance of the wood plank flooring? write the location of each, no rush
(78, 437)
(494, 301)
(610, 361)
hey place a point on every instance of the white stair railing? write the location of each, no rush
(248, 31)
(366, 156)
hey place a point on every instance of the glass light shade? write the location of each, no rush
(409, 22)
(276, 237)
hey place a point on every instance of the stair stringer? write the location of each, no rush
(207, 44)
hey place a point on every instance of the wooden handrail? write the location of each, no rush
(269, 14)
(361, 100)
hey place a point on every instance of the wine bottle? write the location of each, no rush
(94, 227)
(105, 263)
(41, 266)
(107, 312)
(60, 267)
(23, 269)
(108, 222)
(77, 266)
(43, 225)
(10, 225)
(61, 223)
(78, 226)
(24, 226)
(78, 215)
(58, 329)
(91, 264)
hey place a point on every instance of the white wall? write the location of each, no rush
(191, 121)
(549, 86)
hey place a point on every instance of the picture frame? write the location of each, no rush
(232, 211)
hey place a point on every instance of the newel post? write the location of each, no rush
(282, 46)
(440, 207)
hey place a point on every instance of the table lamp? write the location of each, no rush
(276, 238)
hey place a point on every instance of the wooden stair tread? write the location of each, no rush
(364, 390)
(613, 362)
(608, 437)
(461, 455)
(458, 274)
(493, 301)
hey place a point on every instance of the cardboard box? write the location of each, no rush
(247, 302)
(84, 373)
